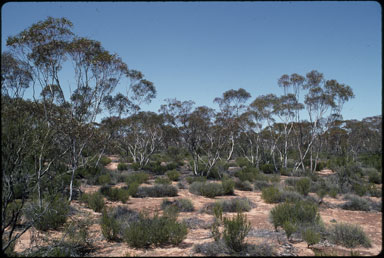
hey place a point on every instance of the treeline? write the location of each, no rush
(48, 139)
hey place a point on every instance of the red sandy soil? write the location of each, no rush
(371, 222)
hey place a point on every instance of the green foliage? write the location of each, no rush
(163, 181)
(156, 191)
(373, 176)
(51, 215)
(243, 185)
(109, 226)
(137, 177)
(182, 205)
(260, 185)
(115, 194)
(373, 160)
(173, 175)
(228, 186)
(356, 203)
(289, 228)
(155, 231)
(122, 166)
(296, 213)
(303, 185)
(243, 162)
(105, 160)
(104, 179)
(310, 236)
(271, 195)
(359, 188)
(267, 168)
(235, 231)
(192, 179)
(232, 205)
(95, 201)
(349, 236)
(247, 174)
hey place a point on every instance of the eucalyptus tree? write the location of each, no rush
(232, 105)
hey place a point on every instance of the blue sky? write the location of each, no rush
(197, 50)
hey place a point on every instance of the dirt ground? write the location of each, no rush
(371, 222)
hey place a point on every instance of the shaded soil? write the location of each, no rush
(262, 231)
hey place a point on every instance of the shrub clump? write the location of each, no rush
(271, 195)
(232, 205)
(162, 181)
(105, 160)
(122, 166)
(349, 236)
(137, 177)
(192, 179)
(95, 201)
(155, 231)
(182, 205)
(156, 191)
(260, 185)
(243, 185)
(173, 175)
(115, 194)
(209, 190)
(303, 185)
(235, 231)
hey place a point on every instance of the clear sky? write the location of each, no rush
(197, 50)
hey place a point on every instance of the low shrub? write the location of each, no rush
(355, 203)
(156, 191)
(138, 177)
(349, 236)
(232, 205)
(209, 190)
(122, 166)
(115, 194)
(109, 226)
(228, 186)
(291, 196)
(243, 185)
(303, 185)
(173, 175)
(192, 179)
(183, 205)
(104, 179)
(374, 176)
(51, 215)
(260, 185)
(310, 236)
(267, 168)
(297, 213)
(95, 201)
(105, 160)
(243, 162)
(163, 181)
(235, 231)
(219, 248)
(247, 174)
(271, 195)
(155, 231)
(215, 248)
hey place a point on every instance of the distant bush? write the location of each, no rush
(115, 194)
(95, 201)
(243, 185)
(104, 179)
(156, 191)
(349, 236)
(271, 195)
(192, 179)
(267, 168)
(260, 185)
(232, 205)
(359, 188)
(373, 176)
(356, 203)
(183, 205)
(247, 174)
(173, 175)
(209, 190)
(374, 191)
(105, 160)
(296, 213)
(155, 231)
(228, 186)
(51, 215)
(303, 185)
(219, 248)
(163, 181)
(291, 196)
(235, 231)
(138, 177)
(243, 162)
(122, 166)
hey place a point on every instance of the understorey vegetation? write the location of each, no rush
(60, 140)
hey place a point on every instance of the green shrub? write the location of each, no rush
(303, 185)
(374, 191)
(235, 231)
(183, 205)
(228, 186)
(105, 160)
(51, 215)
(356, 203)
(374, 177)
(156, 191)
(234, 205)
(267, 168)
(206, 189)
(271, 195)
(243, 162)
(192, 179)
(122, 166)
(115, 194)
(311, 237)
(104, 179)
(349, 236)
(109, 226)
(157, 168)
(95, 201)
(291, 196)
(173, 175)
(135, 166)
(138, 177)
(155, 231)
(163, 181)
(359, 188)
(247, 174)
(243, 185)
(289, 228)
(260, 185)
(296, 213)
